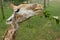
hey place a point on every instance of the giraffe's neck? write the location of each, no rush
(11, 32)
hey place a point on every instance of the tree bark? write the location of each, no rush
(44, 4)
(2, 9)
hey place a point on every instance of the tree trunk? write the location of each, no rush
(30, 1)
(44, 4)
(2, 9)
(48, 2)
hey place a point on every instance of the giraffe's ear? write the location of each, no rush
(12, 6)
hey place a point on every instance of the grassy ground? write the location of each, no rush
(36, 28)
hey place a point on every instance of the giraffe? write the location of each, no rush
(24, 11)
(21, 13)
(11, 32)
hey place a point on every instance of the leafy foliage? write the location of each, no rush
(17, 2)
(39, 29)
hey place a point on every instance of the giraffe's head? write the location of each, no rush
(24, 11)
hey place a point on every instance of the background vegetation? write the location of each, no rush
(37, 27)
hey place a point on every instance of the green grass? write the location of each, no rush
(36, 28)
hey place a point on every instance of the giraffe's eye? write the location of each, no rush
(17, 10)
